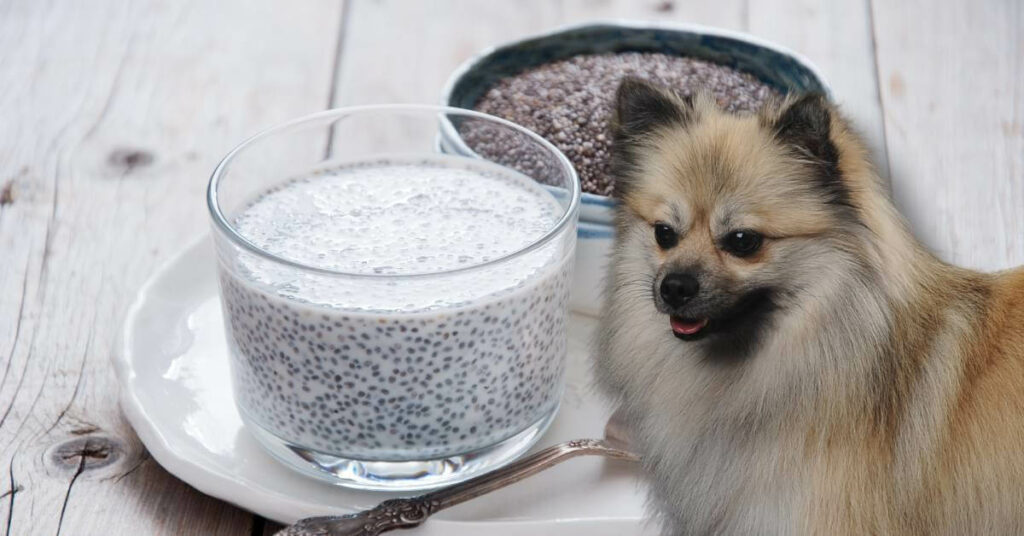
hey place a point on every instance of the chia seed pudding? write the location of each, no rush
(569, 102)
(448, 356)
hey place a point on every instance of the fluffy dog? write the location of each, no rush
(793, 361)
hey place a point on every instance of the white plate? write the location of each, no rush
(176, 392)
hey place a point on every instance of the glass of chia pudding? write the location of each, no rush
(396, 316)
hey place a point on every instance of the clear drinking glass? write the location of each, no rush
(396, 379)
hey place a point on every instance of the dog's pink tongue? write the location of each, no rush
(687, 328)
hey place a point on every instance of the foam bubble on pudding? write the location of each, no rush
(399, 218)
(396, 218)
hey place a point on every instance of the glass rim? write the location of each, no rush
(223, 225)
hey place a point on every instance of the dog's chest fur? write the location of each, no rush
(703, 481)
(740, 448)
(713, 475)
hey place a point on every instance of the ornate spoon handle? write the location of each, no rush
(406, 513)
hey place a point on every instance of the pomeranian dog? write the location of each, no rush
(791, 359)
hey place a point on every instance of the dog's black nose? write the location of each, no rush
(677, 289)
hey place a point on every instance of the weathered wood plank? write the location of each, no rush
(114, 115)
(730, 14)
(953, 96)
(399, 51)
(837, 37)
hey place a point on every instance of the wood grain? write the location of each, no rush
(114, 115)
(400, 51)
(837, 37)
(953, 96)
(730, 14)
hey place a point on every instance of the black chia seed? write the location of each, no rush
(569, 102)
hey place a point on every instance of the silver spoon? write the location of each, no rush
(407, 513)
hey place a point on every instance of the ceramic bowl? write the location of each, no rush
(782, 69)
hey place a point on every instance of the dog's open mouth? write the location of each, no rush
(687, 328)
(741, 322)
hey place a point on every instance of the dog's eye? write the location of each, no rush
(742, 243)
(665, 236)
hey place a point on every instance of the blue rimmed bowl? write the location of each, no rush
(776, 66)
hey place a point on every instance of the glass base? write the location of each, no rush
(416, 475)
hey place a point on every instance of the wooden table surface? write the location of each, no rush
(114, 113)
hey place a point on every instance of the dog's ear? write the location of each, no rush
(640, 109)
(805, 125)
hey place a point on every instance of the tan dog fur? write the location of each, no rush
(885, 394)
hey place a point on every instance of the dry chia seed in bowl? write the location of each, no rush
(569, 102)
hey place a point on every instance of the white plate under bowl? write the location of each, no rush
(176, 392)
